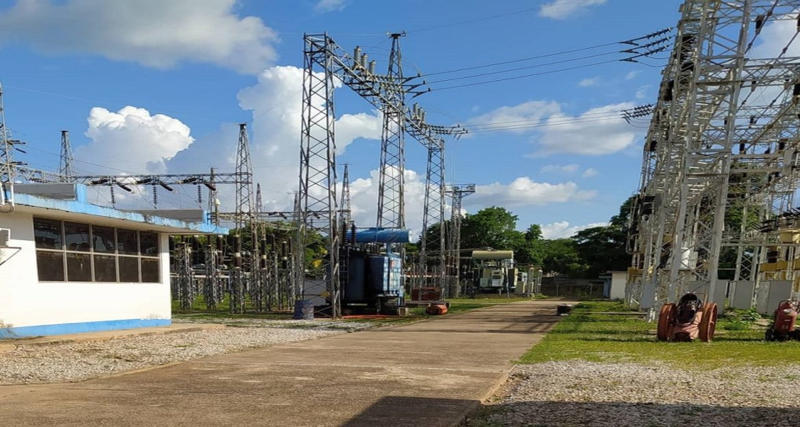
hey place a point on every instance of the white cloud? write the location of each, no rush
(564, 169)
(523, 191)
(563, 229)
(597, 131)
(517, 118)
(154, 33)
(587, 82)
(562, 9)
(275, 104)
(632, 75)
(364, 197)
(323, 6)
(588, 173)
(131, 140)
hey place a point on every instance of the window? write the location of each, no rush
(75, 252)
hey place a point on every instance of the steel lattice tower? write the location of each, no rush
(347, 214)
(391, 208)
(317, 195)
(433, 217)
(457, 192)
(244, 218)
(65, 163)
(722, 144)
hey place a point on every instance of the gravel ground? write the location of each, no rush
(626, 394)
(63, 362)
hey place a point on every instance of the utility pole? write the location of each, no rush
(244, 218)
(7, 164)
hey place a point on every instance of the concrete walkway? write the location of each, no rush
(428, 373)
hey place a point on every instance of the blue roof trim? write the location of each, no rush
(80, 206)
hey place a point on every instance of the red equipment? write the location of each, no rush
(435, 309)
(784, 324)
(688, 320)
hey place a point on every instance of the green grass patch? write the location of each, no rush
(457, 305)
(590, 334)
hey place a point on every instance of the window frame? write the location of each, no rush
(91, 253)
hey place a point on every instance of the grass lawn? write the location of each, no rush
(457, 305)
(588, 334)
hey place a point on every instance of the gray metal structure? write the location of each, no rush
(324, 63)
(722, 144)
(65, 163)
(391, 207)
(457, 192)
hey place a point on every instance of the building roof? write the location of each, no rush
(68, 201)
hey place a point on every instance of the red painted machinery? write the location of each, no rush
(436, 309)
(688, 320)
(784, 323)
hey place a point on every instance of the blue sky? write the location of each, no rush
(159, 86)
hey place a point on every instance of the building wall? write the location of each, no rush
(29, 307)
(618, 281)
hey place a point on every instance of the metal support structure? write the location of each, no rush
(433, 224)
(391, 207)
(7, 164)
(721, 149)
(65, 163)
(317, 181)
(345, 206)
(457, 192)
(245, 277)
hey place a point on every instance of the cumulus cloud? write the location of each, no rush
(523, 191)
(364, 196)
(324, 6)
(154, 33)
(516, 118)
(562, 9)
(564, 169)
(563, 229)
(597, 131)
(131, 140)
(275, 104)
(587, 82)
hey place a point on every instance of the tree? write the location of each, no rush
(493, 227)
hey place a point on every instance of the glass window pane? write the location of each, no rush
(128, 269)
(127, 242)
(149, 270)
(149, 243)
(47, 233)
(103, 239)
(76, 236)
(105, 268)
(50, 266)
(79, 267)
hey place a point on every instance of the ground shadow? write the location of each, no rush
(548, 413)
(413, 411)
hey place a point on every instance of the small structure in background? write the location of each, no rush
(68, 266)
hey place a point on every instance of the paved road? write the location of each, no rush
(428, 373)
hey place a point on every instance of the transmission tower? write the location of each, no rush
(722, 144)
(65, 163)
(457, 192)
(391, 208)
(433, 231)
(244, 218)
(347, 214)
(318, 162)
